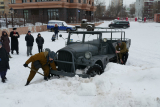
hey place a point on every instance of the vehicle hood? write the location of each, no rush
(70, 26)
(80, 49)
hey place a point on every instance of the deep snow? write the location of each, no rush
(133, 85)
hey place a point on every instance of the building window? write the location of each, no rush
(1, 7)
(67, 0)
(1, 2)
(89, 2)
(24, 1)
(31, 0)
(25, 14)
(46, 0)
(13, 1)
(79, 1)
(53, 14)
(92, 3)
(71, 1)
(84, 1)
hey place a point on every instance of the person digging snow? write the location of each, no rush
(45, 60)
(122, 51)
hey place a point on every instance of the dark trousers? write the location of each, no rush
(40, 48)
(56, 35)
(3, 74)
(124, 58)
(29, 50)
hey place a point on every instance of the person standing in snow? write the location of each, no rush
(56, 30)
(40, 42)
(5, 41)
(4, 63)
(45, 60)
(14, 40)
(122, 51)
(29, 42)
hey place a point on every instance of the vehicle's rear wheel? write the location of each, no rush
(95, 70)
(124, 27)
(68, 30)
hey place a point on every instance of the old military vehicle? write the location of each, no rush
(88, 52)
(86, 25)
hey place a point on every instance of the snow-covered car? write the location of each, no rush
(89, 51)
(62, 25)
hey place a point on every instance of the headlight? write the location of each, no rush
(88, 55)
(105, 40)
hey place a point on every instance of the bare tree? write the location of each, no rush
(132, 11)
(100, 8)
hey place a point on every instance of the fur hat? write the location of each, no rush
(14, 28)
(29, 31)
(119, 41)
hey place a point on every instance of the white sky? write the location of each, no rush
(125, 2)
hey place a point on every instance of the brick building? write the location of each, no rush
(4, 8)
(66, 10)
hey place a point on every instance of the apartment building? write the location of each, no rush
(4, 8)
(66, 10)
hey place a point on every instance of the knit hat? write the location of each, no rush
(29, 31)
(52, 55)
(0, 43)
(119, 41)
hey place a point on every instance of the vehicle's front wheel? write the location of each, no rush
(95, 70)
(89, 29)
(68, 30)
(111, 27)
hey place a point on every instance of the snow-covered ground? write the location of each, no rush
(134, 85)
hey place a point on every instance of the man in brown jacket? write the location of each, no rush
(46, 61)
(122, 51)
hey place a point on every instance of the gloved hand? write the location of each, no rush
(25, 65)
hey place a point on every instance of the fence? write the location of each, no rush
(13, 20)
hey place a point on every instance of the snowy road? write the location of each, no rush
(133, 85)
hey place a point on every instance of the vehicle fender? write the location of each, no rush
(102, 60)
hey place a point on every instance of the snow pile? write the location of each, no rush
(134, 85)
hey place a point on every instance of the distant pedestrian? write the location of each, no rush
(56, 30)
(29, 41)
(5, 42)
(40, 42)
(14, 40)
(4, 63)
(53, 38)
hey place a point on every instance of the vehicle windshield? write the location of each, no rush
(53, 23)
(79, 37)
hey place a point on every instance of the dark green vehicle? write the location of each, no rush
(89, 51)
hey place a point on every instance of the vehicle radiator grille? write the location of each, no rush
(65, 56)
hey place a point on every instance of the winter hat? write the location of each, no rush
(14, 28)
(29, 31)
(52, 55)
(4, 32)
(119, 41)
(0, 43)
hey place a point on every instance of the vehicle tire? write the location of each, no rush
(68, 30)
(124, 27)
(89, 29)
(111, 27)
(95, 70)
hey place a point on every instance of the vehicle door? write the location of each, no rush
(64, 26)
(60, 26)
(117, 25)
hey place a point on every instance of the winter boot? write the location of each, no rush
(9, 56)
(3, 80)
(27, 83)
(45, 78)
(49, 76)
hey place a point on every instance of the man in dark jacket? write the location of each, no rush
(56, 30)
(14, 41)
(122, 51)
(40, 42)
(4, 63)
(29, 40)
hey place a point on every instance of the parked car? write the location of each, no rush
(119, 24)
(89, 51)
(86, 25)
(62, 25)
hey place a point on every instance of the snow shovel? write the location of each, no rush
(36, 71)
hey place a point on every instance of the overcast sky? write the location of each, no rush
(125, 2)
